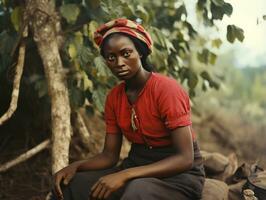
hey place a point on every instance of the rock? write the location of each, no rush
(249, 195)
(215, 189)
(241, 173)
(214, 162)
(235, 190)
(230, 169)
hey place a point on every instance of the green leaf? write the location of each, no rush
(104, 6)
(228, 9)
(217, 43)
(219, 11)
(214, 84)
(218, 2)
(234, 32)
(192, 93)
(158, 58)
(203, 56)
(207, 56)
(128, 9)
(113, 9)
(192, 32)
(205, 75)
(239, 33)
(93, 25)
(87, 83)
(212, 58)
(230, 33)
(142, 13)
(98, 97)
(207, 20)
(201, 4)
(183, 73)
(159, 37)
(70, 12)
(93, 3)
(192, 80)
(100, 66)
(72, 51)
(85, 56)
(16, 17)
(78, 38)
(180, 11)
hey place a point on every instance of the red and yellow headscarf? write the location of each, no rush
(122, 25)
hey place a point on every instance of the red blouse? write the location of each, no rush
(161, 106)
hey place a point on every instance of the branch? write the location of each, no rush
(82, 129)
(25, 156)
(19, 70)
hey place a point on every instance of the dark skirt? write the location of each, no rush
(183, 186)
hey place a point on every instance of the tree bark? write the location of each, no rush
(44, 23)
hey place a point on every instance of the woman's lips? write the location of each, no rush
(122, 72)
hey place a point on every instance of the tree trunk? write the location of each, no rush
(44, 23)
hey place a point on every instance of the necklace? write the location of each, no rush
(133, 119)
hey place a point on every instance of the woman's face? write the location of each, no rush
(122, 57)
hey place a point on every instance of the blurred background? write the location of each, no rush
(216, 49)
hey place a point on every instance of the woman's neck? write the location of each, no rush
(138, 81)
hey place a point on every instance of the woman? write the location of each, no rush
(150, 110)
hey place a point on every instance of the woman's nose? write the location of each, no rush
(120, 62)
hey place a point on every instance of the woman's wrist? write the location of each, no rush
(128, 173)
(76, 164)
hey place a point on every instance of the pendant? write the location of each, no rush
(133, 119)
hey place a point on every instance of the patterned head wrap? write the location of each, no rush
(122, 25)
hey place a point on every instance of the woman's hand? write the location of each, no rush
(108, 184)
(65, 175)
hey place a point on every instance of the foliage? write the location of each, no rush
(234, 32)
(88, 77)
(242, 92)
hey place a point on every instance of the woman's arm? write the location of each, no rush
(107, 158)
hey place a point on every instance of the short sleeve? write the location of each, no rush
(174, 105)
(110, 117)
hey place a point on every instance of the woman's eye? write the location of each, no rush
(111, 58)
(126, 54)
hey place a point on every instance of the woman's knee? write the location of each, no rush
(78, 178)
(138, 189)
